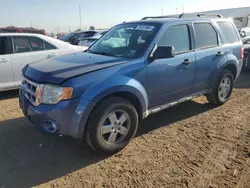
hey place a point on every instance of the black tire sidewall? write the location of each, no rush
(95, 124)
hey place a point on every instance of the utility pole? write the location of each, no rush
(176, 10)
(30, 23)
(80, 15)
(162, 11)
(183, 8)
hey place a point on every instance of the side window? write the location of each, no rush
(48, 46)
(5, 46)
(36, 44)
(21, 44)
(205, 34)
(176, 36)
(228, 31)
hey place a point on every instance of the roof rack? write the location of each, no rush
(184, 15)
(156, 17)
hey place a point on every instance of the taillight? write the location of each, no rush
(241, 53)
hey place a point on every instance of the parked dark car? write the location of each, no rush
(90, 37)
(75, 37)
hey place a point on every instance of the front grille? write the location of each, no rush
(29, 90)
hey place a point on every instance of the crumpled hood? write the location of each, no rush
(59, 69)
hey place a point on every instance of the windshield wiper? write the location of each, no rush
(101, 53)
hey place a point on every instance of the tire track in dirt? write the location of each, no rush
(199, 151)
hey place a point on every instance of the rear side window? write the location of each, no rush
(228, 31)
(36, 44)
(205, 34)
(27, 44)
(48, 46)
(176, 36)
(21, 44)
(5, 46)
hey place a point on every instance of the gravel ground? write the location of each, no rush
(190, 145)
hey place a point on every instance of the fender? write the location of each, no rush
(221, 66)
(111, 86)
(117, 84)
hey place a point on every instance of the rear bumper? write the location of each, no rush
(70, 116)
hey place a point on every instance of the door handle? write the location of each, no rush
(186, 62)
(52, 55)
(219, 53)
(3, 61)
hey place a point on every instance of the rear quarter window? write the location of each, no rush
(229, 31)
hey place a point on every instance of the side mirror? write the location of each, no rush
(243, 34)
(163, 52)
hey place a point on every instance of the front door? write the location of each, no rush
(171, 79)
(6, 76)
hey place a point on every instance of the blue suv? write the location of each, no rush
(136, 69)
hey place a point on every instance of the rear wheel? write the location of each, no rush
(112, 124)
(222, 89)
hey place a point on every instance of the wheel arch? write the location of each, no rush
(231, 67)
(133, 92)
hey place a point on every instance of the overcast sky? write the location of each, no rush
(50, 14)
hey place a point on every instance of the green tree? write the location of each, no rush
(91, 28)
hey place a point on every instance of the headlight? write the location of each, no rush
(51, 94)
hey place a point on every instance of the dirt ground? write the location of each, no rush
(190, 145)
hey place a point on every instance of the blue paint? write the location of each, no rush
(153, 83)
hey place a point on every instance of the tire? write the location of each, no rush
(105, 113)
(214, 96)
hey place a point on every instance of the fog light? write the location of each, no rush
(50, 127)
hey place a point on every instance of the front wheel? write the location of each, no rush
(112, 124)
(222, 89)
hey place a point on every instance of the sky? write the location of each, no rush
(64, 14)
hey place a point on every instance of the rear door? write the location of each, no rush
(209, 53)
(6, 76)
(28, 50)
(231, 39)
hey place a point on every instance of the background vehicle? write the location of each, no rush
(75, 37)
(89, 37)
(103, 93)
(19, 49)
(71, 38)
(22, 30)
(246, 57)
(243, 26)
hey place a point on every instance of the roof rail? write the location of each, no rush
(183, 15)
(155, 17)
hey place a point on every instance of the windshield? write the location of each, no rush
(67, 37)
(126, 40)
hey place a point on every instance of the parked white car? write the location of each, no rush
(19, 49)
